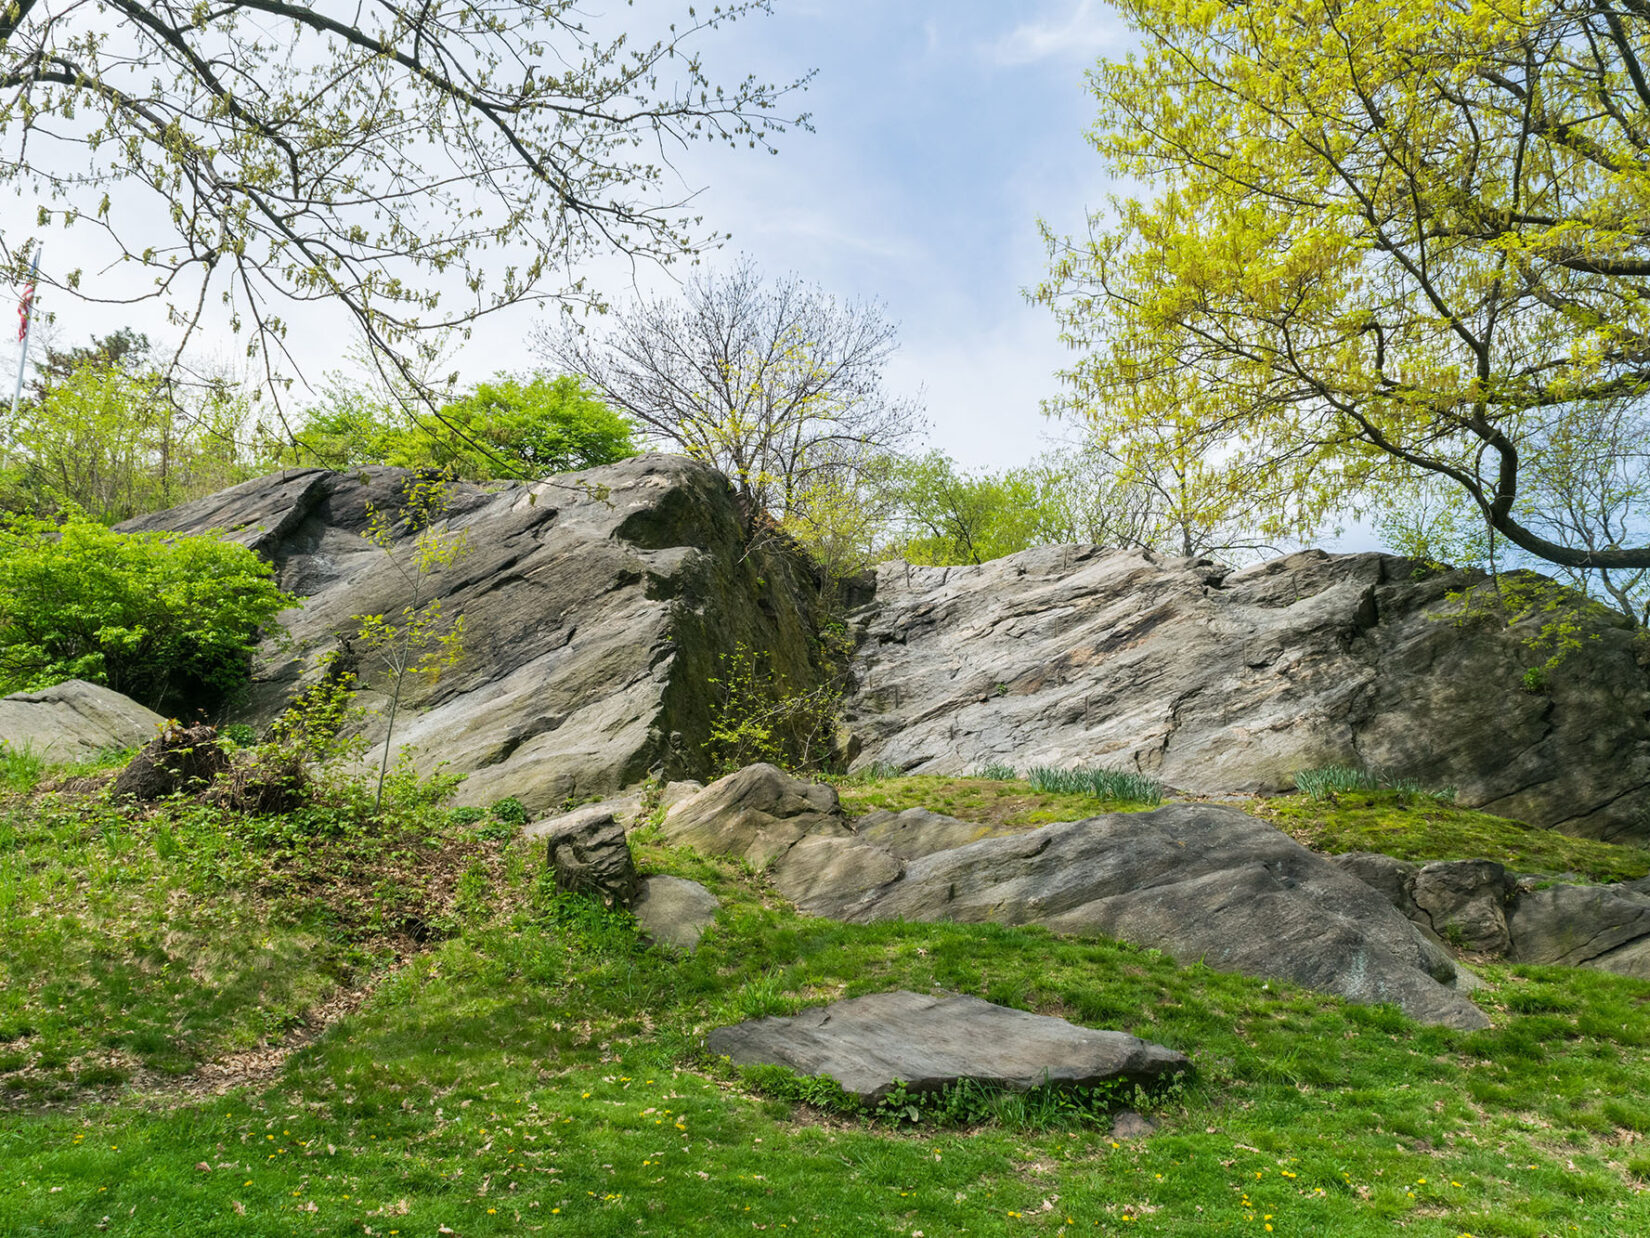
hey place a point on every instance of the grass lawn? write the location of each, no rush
(524, 1063)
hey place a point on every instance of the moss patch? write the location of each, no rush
(989, 801)
(1421, 829)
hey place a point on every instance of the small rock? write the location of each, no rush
(1131, 1125)
(588, 851)
(74, 721)
(675, 912)
(758, 814)
(930, 1041)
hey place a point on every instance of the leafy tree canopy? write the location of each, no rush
(508, 427)
(418, 164)
(1385, 242)
(169, 621)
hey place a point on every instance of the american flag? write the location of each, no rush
(24, 306)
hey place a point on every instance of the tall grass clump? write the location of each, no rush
(1103, 784)
(20, 768)
(1332, 780)
(997, 771)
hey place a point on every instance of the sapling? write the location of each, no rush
(422, 640)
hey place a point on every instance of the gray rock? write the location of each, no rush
(1202, 882)
(757, 813)
(675, 912)
(74, 721)
(588, 851)
(1464, 902)
(931, 1042)
(1219, 681)
(1391, 877)
(597, 607)
(1132, 1125)
(919, 832)
(675, 792)
(1606, 927)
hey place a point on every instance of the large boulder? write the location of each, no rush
(929, 1042)
(1200, 881)
(74, 721)
(1604, 927)
(1218, 681)
(598, 608)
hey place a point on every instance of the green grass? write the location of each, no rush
(1421, 829)
(1333, 780)
(141, 942)
(1117, 785)
(540, 1070)
(1011, 803)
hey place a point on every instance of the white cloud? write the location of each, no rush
(1087, 30)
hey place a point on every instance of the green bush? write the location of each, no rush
(169, 621)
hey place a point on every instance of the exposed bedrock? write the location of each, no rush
(1202, 882)
(597, 609)
(1219, 681)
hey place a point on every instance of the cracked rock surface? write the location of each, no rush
(597, 607)
(1219, 681)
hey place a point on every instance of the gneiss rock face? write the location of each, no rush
(928, 1042)
(74, 721)
(1220, 681)
(1201, 882)
(597, 607)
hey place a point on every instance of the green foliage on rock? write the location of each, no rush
(169, 621)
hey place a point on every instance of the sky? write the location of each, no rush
(942, 131)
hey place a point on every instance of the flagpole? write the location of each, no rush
(25, 329)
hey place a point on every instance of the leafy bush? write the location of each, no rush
(1103, 784)
(169, 621)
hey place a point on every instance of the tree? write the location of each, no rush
(422, 639)
(381, 156)
(1385, 243)
(102, 434)
(510, 427)
(777, 385)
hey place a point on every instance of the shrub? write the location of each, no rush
(1104, 784)
(169, 621)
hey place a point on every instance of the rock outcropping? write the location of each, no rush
(1199, 881)
(598, 607)
(74, 721)
(1218, 681)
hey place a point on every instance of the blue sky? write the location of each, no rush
(942, 130)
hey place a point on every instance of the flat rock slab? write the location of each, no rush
(929, 1042)
(674, 911)
(74, 721)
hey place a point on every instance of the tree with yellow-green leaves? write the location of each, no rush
(1383, 241)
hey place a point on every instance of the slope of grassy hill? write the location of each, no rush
(352, 1022)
